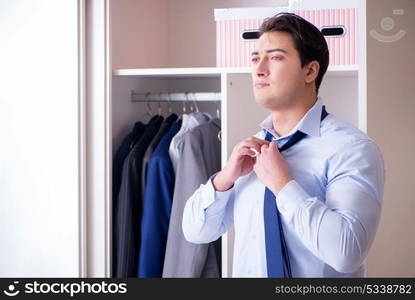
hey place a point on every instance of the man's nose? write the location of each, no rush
(261, 68)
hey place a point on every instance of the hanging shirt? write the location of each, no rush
(188, 122)
(158, 197)
(199, 159)
(329, 211)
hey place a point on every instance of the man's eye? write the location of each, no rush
(276, 57)
(254, 59)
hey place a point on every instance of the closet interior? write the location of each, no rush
(143, 86)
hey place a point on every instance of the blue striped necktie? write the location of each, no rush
(278, 261)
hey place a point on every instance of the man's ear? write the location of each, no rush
(311, 71)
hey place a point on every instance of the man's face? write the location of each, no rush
(277, 75)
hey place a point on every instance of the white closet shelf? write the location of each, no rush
(342, 70)
(335, 70)
(170, 72)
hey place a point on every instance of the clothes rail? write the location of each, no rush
(167, 97)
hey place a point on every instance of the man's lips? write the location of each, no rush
(261, 84)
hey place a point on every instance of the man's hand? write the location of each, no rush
(240, 163)
(271, 168)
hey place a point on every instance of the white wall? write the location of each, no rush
(138, 31)
(39, 139)
(168, 33)
(192, 23)
(343, 105)
(391, 123)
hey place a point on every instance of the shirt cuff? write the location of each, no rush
(289, 198)
(215, 200)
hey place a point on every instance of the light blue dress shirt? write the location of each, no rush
(330, 210)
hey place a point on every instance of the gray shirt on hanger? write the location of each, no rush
(200, 158)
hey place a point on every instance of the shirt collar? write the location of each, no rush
(309, 124)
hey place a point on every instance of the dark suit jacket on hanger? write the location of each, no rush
(164, 128)
(130, 204)
(158, 197)
(119, 158)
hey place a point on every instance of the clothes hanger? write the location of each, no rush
(184, 104)
(148, 112)
(205, 114)
(159, 106)
(184, 110)
(188, 102)
(169, 97)
(192, 108)
(194, 103)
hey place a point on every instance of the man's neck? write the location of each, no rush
(285, 119)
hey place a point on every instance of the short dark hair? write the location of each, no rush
(308, 40)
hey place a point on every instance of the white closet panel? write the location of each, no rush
(40, 139)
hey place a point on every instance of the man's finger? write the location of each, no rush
(251, 144)
(249, 152)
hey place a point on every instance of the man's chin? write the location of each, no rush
(265, 102)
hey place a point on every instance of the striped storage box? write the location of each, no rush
(233, 26)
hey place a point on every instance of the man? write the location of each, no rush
(327, 186)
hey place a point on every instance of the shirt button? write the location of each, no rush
(254, 236)
(249, 271)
